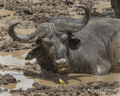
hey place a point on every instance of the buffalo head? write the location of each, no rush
(53, 41)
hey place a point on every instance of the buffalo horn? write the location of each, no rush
(72, 25)
(41, 31)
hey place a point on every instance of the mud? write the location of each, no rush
(88, 89)
(31, 80)
(6, 79)
(32, 69)
(31, 14)
(97, 86)
(4, 67)
(7, 68)
(33, 11)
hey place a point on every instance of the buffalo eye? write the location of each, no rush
(64, 39)
(51, 50)
(47, 42)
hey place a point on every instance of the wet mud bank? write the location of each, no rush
(82, 89)
(6, 79)
(76, 84)
(31, 80)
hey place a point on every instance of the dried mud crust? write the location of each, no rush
(82, 89)
(6, 79)
(10, 45)
(7, 44)
(32, 70)
(38, 12)
(43, 11)
(35, 70)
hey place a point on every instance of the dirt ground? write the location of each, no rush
(30, 14)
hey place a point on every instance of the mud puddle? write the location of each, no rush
(74, 79)
(71, 79)
(24, 83)
(16, 59)
(13, 59)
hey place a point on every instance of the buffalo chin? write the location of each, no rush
(63, 70)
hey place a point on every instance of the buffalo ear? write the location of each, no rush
(74, 42)
(35, 52)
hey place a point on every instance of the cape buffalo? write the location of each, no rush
(116, 6)
(74, 45)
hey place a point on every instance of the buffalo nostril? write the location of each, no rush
(59, 61)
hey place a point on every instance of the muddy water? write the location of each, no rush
(73, 79)
(16, 59)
